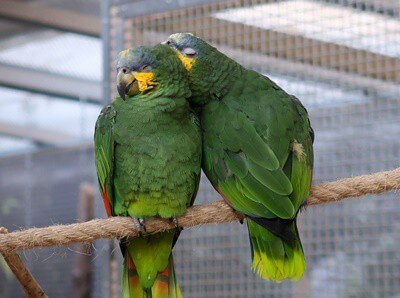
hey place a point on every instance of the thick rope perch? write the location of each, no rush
(217, 212)
(355, 187)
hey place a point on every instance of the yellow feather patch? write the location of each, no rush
(298, 149)
(145, 80)
(124, 53)
(186, 61)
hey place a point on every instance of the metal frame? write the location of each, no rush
(41, 81)
(37, 135)
(60, 19)
(105, 39)
(116, 13)
(45, 82)
(134, 9)
(123, 10)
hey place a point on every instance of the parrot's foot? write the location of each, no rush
(140, 225)
(241, 221)
(176, 223)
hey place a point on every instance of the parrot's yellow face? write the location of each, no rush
(145, 80)
(187, 62)
(201, 60)
(186, 53)
(134, 75)
(150, 72)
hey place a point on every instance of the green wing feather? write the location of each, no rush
(104, 148)
(258, 154)
(260, 157)
(254, 171)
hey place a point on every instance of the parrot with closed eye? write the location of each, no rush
(148, 159)
(257, 151)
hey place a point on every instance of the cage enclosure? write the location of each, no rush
(341, 59)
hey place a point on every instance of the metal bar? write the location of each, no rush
(388, 8)
(41, 92)
(106, 44)
(36, 13)
(40, 81)
(341, 57)
(268, 64)
(134, 9)
(82, 272)
(36, 134)
(105, 261)
(275, 65)
(119, 38)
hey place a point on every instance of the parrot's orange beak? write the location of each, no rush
(127, 83)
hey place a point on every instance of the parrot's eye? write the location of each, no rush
(189, 52)
(168, 42)
(146, 68)
(125, 69)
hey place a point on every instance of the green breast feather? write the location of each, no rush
(148, 158)
(154, 172)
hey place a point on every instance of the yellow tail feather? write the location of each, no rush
(274, 258)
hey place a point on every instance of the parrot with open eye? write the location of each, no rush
(257, 151)
(147, 147)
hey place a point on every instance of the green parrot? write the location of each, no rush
(257, 151)
(148, 160)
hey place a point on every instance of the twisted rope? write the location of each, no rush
(217, 212)
(355, 187)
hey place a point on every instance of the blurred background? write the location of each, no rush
(339, 57)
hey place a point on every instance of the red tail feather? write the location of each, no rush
(106, 201)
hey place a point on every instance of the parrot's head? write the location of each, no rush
(208, 74)
(151, 70)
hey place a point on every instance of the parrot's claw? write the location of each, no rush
(140, 225)
(176, 223)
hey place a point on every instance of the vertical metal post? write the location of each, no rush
(82, 271)
(106, 44)
(105, 272)
(119, 37)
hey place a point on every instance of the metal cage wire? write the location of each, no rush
(341, 58)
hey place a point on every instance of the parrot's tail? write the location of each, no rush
(165, 285)
(276, 258)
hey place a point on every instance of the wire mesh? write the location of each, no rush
(41, 189)
(341, 58)
(46, 144)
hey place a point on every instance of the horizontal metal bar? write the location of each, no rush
(276, 65)
(39, 14)
(36, 134)
(308, 50)
(145, 7)
(264, 63)
(58, 85)
(387, 8)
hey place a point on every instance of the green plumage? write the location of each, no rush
(257, 152)
(148, 155)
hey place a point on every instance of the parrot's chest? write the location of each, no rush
(146, 151)
(155, 160)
